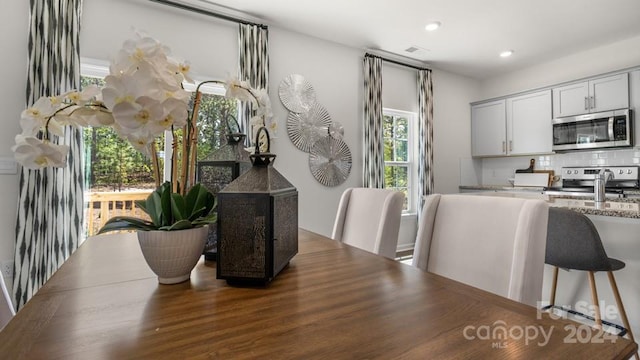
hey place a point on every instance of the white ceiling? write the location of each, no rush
(473, 32)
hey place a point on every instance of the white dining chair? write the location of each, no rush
(6, 308)
(369, 219)
(493, 243)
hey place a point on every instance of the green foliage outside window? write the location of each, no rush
(396, 154)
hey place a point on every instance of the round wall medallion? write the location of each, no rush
(330, 161)
(304, 129)
(296, 93)
(336, 130)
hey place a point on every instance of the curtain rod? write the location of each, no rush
(207, 12)
(396, 62)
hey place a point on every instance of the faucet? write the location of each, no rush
(599, 185)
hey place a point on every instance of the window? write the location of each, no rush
(116, 174)
(398, 153)
(112, 164)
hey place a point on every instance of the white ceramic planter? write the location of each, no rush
(173, 254)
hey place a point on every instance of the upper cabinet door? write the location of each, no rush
(609, 93)
(529, 128)
(488, 129)
(571, 100)
(601, 94)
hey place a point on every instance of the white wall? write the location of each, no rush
(452, 94)
(619, 55)
(210, 45)
(335, 72)
(14, 26)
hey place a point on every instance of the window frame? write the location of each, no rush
(410, 164)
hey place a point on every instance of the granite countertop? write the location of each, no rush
(501, 188)
(628, 207)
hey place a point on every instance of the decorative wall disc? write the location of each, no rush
(330, 161)
(296, 93)
(306, 128)
(336, 130)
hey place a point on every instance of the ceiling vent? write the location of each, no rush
(411, 49)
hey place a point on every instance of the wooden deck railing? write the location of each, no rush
(105, 205)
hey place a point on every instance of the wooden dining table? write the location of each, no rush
(332, 301)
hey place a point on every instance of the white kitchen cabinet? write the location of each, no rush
(599, 94)
(529, 129)
(488, 129)
(634, 103)
(519, 125)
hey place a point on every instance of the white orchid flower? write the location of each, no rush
(138, 114)
(134, 52)
(91, 116)
(181, 95)
(264, 103)
(31, 125)
(175, 113)
(140, 140)
(184, 68)
(56, 127)
(237, 89)
(116, 92)
(34, 153)
(41, 110)
(83, 97)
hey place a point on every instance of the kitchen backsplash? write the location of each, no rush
(496, 171)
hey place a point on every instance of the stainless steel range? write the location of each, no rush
(579, 181)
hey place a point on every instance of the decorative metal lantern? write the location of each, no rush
(218, 170)
(257, 222)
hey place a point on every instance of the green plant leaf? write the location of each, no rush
(206, 220)
(199, 202)
(181, 225)
(153, 208)
(165, 199)
(178, 207)
(142, 205)
(126, 223)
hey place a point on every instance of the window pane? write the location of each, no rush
(401, 177)
(387, 126)
(402, 128)
(396, 178)
(212, 127)
(111, 163)
(402, 150)
(397, 146)
(388, 150)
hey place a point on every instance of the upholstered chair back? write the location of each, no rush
(493, 243)
(369, 219)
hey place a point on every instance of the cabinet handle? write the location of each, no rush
(592, 102)
(586, 103)
(504, 146)
(510, 145)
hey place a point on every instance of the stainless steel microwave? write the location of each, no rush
(592, 131)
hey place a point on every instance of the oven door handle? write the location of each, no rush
(611, 135)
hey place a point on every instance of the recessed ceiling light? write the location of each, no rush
(432, 25)
(506, 53)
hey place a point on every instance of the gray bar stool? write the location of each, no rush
(573, 243)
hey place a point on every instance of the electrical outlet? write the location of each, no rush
(7, 268)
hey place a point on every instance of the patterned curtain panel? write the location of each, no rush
(254, 66)
(50, 202)
(373, 174)
(425, 136)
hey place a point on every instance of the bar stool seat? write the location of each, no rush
(573, 243)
